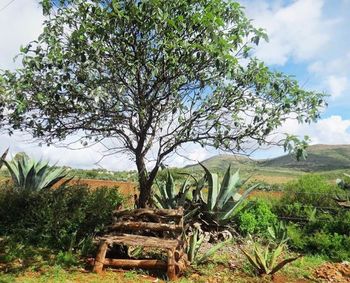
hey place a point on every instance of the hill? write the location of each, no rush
(320, 158)
(219, 163)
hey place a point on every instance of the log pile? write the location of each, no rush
(151, 228)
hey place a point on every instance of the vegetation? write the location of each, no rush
(61, 223)
(256, 218)
(213, 208)
(168, 196)
(29, 175)
(222, 200)
(265, 261)
(63, 218)
(150, 77)
(317, 224)
(194, 242)
(153, 75)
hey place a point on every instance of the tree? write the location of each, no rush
(153, 75)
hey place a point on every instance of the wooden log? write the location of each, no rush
(177, 213)
(100, 257)
(145, 241)
(171, 265)
(139, 226)
(345, 204)
(136, 263)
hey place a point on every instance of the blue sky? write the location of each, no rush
(309, 39)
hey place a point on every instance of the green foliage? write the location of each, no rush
(265, 260)
(103, 174)
(66, 259)
(278, 232)
(330, 245)
(99, 70)
(296, 147)
(194, 242)
(223, 200)
(304, 197)
(29, 175)
(64, 218)
(212, 203)
(255, 218)
(317, 224)
(169, 196)
(297, 237)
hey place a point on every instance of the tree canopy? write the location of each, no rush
(152, 74)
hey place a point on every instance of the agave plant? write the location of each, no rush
(278, 232)
(194, 242)
(344, 183)
(30, 175)
(168, 196)
(265, 261)
(222, 200)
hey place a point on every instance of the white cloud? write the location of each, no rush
(78, 158)
(20, 23)
(296, 31)
(331, 130)
(337, 85)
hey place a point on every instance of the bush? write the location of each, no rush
(256, 217)
(317, 225)
(63, 218)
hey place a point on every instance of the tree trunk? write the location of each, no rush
(144, 186)
(145, 182)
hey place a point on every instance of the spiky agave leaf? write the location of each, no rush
(275, 254)
(260, 259)
(252, 261)
(170, 187)
(230, 210)
(283, 263)
(213, 187)
(3, 157)
(213, 250)
(228, 188)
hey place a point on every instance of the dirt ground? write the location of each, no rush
(334, 272)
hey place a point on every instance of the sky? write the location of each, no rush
(309, 39)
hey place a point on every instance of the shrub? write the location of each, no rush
(63, 218)
(325, 243)
(256, 217)
(297, 237)
(310, 190)
(334, 246)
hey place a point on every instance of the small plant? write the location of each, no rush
(168, 196)
(265, 260)
(278, 232)
(344, 183)
(29, 175)
(194, 243)
(66, 259)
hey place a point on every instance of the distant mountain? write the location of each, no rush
(320, 158)
(221, 162)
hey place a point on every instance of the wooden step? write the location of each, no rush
(137, 240)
